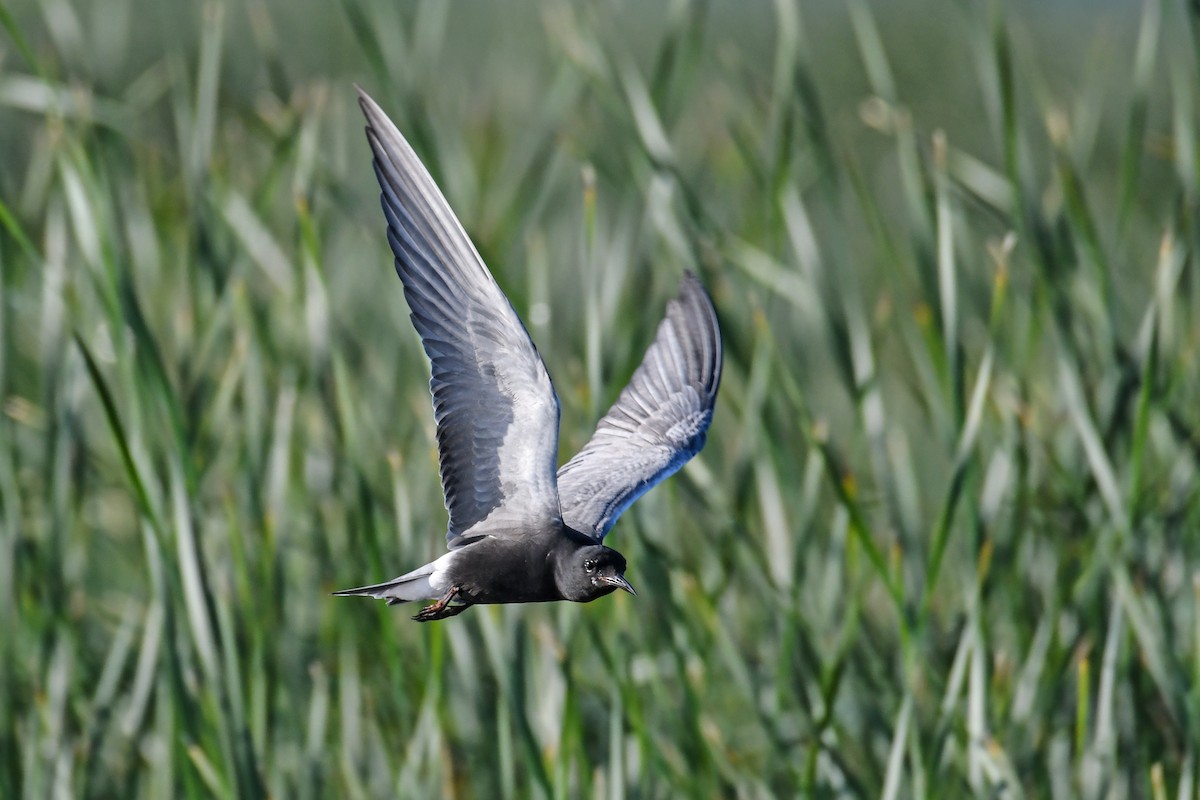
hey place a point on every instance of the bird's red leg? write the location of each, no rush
(442, 608)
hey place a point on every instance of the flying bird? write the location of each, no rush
(521, 529)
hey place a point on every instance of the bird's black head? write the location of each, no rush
(591, 571)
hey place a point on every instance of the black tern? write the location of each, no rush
(522, 530)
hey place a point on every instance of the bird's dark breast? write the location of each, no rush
(505, 570)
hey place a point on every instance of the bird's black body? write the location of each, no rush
(530, 567)
(523, 530)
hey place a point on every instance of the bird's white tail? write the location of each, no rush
(415, 585)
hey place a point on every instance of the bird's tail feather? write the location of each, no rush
(412, 586)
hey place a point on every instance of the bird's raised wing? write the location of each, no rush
(657, 423)
(496, 410)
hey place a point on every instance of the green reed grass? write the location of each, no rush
(942, 541)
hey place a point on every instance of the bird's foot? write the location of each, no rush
(442, 608)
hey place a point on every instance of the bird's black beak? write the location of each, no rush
(619, 582)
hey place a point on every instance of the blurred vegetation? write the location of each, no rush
(943, 540)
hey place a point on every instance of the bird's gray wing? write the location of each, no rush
(658, 422)
(496, 410)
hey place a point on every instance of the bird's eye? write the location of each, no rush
(590, 565)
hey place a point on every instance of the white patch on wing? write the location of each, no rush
(533, 484)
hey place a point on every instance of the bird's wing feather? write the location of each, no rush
(658, 422)
(496, 410)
